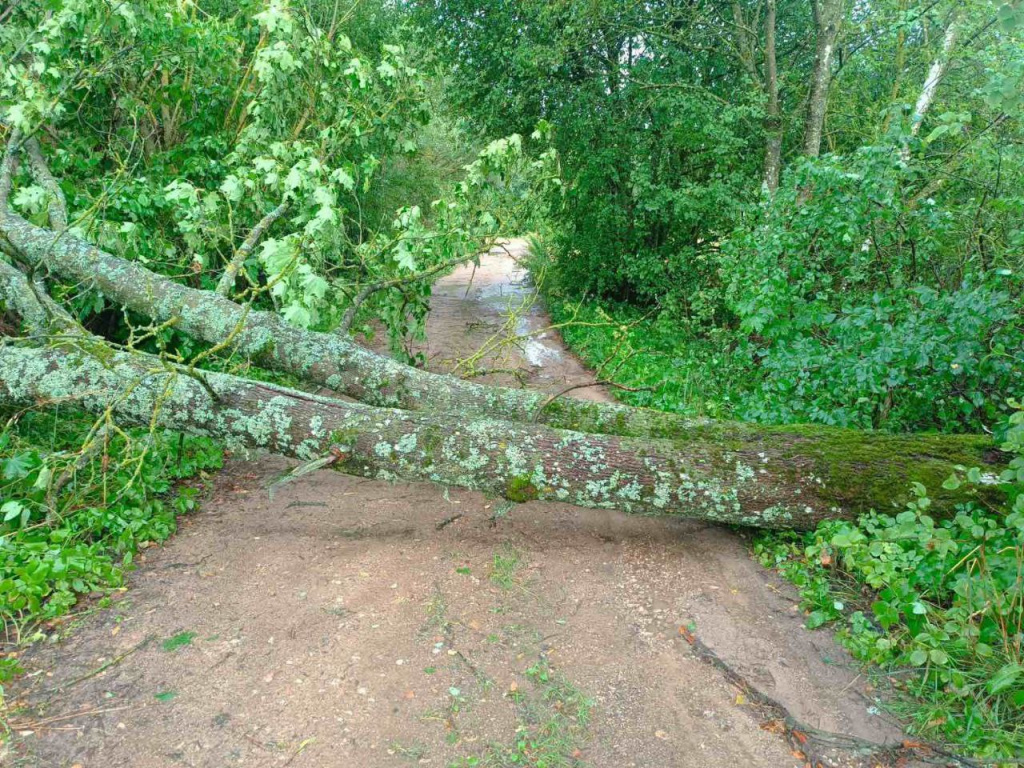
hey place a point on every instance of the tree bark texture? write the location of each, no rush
(771, 477)
(773, 118)
(828, 18)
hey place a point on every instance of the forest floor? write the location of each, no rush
(347, 622)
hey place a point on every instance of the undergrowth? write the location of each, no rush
(648, 361)
(934, 606)
(77, 502)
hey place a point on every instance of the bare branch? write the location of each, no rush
(8, 164)
(58, 205)
(227, 280)
(936, 72)
(368, 290)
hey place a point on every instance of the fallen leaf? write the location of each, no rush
(661, 735)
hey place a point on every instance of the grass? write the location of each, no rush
(178, 641)
(505, 566)
(552, 718)
(412, 753)
(653, 363)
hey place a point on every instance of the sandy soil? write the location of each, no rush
(346, 622)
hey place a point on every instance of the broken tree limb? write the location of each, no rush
(227, 280)
(57, 205)
(742, 474)
(326, 359)
(334, 362)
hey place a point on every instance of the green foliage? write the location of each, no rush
(831, 290)
(878, 286)
(941, 602)
(654, 163)
(552, 721)
(72, 528)
(178, 641)
(176, 130)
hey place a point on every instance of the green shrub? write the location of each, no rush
(916, 359)
(938, 604)
(60, 540)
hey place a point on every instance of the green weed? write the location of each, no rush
(552, 721)
(178, 641)
(73, 522)
(505, 566)
(938, 605)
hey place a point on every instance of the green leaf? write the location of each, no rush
(178, 641)
(1005, 678)
(11, 510)
(19, 465)
(816, 619)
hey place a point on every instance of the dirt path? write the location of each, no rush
(354, 623)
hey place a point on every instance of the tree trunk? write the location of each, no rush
(773, 121)
(328, 360)
(772, 477)
(828, 18)
(931, 83)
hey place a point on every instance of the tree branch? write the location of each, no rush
(368, 290)
(8, 165)
(227, 280)
(58, 205)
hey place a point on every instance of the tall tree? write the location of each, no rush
(828, 20)
(773, 120)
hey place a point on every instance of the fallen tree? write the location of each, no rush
(640, 460)
(765, 477)
(327, 359)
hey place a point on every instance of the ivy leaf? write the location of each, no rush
(11, 510)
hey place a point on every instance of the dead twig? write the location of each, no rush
(100, 669)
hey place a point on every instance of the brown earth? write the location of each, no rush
(346, 622)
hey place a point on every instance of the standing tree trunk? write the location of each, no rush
(936, 72)
(773, 120)
(828, 18)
